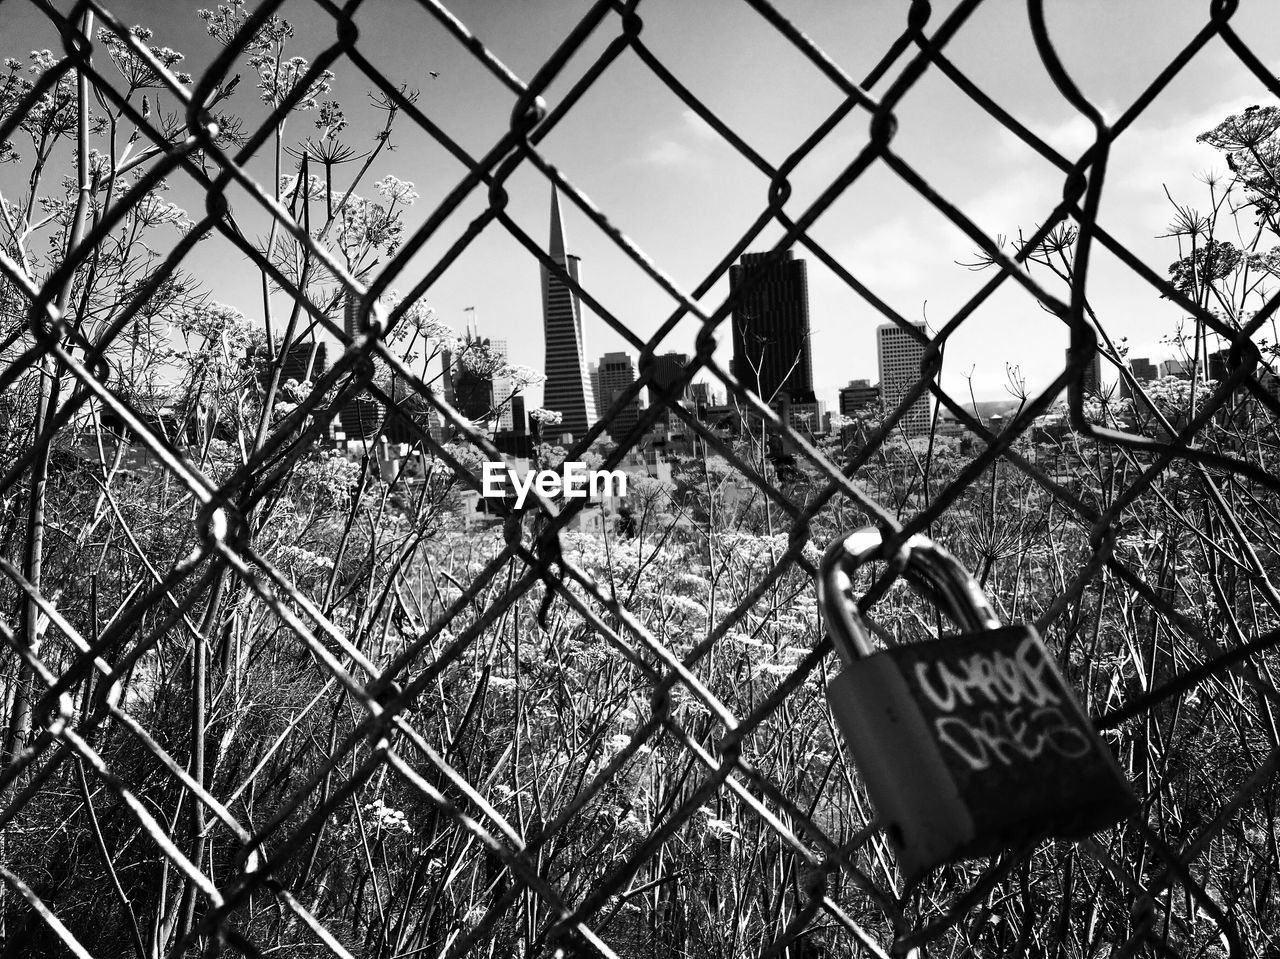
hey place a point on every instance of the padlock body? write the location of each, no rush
(970, 744)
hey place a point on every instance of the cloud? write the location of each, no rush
(685, 144)
(667, 152)
(698, 127)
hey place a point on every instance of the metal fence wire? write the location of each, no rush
(225, 735)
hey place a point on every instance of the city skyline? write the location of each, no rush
(683, 195)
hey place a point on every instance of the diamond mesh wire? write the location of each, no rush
(510, 750)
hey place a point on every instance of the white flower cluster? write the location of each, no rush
(546, 417)
(386, 818)
(298, 557)
(395, 190)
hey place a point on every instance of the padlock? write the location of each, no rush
(968, 744)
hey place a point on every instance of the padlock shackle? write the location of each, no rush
(932, 572)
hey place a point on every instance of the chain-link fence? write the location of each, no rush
(266, 697)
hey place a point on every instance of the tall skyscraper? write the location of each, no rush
(568, 386)
(616, 373)
(900, 355)
(771, 352)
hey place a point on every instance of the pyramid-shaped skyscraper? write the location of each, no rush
(568, 386)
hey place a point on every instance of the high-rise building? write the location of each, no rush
(858, 396)
(1092, 372)
(568, 386)
(515, 441)
(593, 374)
(474, 383)
(615, 374)
(900, 355)
(771, 352)
(502, 386)
(519, 419)
(472, 389)
(1179, 368)
(700, 393)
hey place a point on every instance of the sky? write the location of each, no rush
(684, 196)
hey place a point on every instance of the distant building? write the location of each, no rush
(900, 356)
(1247, 405)
(616, 373)
(803, 418)
(859, 395)
(519, 418)
(1179, 368)
(1143, 370)
(471, 376)
(502, 385)
(304, 360)
(667, 368)
(411, 410)
(568, 387)
(593, 374)
(516, 441)
(771, 349)
(700, 393)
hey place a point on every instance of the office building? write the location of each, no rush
(593, 374)
(1143, 371)
(900, 355)
(616, 374)
(474, 383)
(667, 369)
(519, 418)
(502, 385)
(858, 397)
(771, 351)
(568, 386)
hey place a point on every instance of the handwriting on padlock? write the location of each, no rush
(1000, 708)
(1011, 735)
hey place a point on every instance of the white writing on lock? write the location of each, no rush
(1020, 718)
